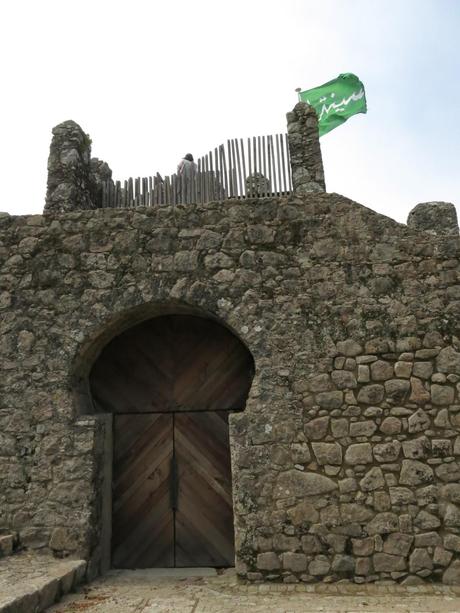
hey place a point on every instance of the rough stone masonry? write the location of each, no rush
(346, 459)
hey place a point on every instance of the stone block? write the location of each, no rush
(371, 394)
(344, 379)
(362, 428)
(420, 559)
(330, 400)
(451, 575)
(448, 361)
(418, 394)
(416, 448)
(343, 564)
(268, 561)
(387, 563)
(401, 496)
(398, 544)
(296, 562)
(391, 425)
(414, 472)
(381, 370)
(387, 452)
(320, 566)
(327, 453)
(397, 389)
(372, 480)
(359, 453)
(442, 557)
(363, 546)
(349, 348)
(442, 394)
(423, 370)
(316, 428)
(299, 484)
(419, 421)
(383, 523)
(426, 521)
(339, 427)
(403, 369)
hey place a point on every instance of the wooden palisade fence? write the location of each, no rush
(256, 168)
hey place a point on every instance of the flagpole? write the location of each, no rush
(298, 90)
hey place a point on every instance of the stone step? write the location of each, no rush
(31, 582)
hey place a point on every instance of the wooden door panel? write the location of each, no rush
(143, 522)
(204, 515)
(172, 363)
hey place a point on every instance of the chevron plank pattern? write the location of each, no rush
(173, 363)
(142, 519)
(204, 516)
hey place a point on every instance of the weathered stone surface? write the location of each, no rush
(316, 428)
(300, 484)
(319, 566)
(391, 425)
(398, 544)
(397, 389)
(419, 421)
(372, 480)
(442, 394)
(416, 448)
(344, 379)
(363, 547)
(350, 348)
(385, 562)
(297, 562)
(383, 523)
(303, 512)
(403, 369)
(381, 370)
(343, 564)
(353, 512)
(423, 370)
(387, 452)
(452, 542)
(304, 150)
(448, 472)
(434, 217)
(442, 557)
(414, 472)
(360, 453)
(330, 400)
(418, 394)
(339, 428)
(426, 521)
(419, 559)
(451, 492)
(448, 361)
(268, 561)
(327, 453)
(363, 428)
(371, 394)
(401, 495)
(452, 574)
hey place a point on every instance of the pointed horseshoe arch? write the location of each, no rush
(170, 383)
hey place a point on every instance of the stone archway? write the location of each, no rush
(170, 383)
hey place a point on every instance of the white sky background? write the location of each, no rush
(152, 80)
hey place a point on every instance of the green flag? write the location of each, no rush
(336, 101)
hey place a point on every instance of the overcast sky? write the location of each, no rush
(152, 80)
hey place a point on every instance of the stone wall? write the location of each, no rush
(345, 461)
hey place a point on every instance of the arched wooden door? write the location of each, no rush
(171, 383)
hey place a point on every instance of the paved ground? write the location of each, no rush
(148, 592)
